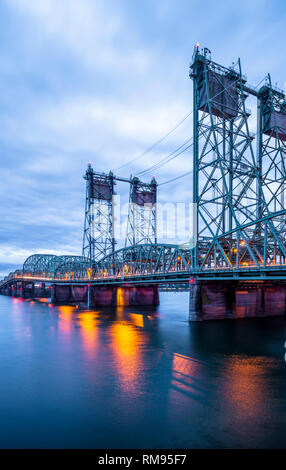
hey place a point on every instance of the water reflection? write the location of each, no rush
(138, 377)
(127, 351)
(246, 390)
(89, 330)
(65, 323)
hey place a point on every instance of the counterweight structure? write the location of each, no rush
(98, 240)
(141, 225)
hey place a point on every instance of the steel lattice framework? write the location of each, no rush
(141, 225)
(56, 266)
(98, 240)
(144, 259)
(272, 149)
(166, 262)
(229, 188)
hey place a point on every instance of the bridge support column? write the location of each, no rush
(89, 297)
(23, 290)
(195, 302)
(53, 293)
(137, 295)
(43, 289)
(17, 291)
(61, 293)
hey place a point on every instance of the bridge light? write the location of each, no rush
(125, 269)
(242, 242)
(191, 281)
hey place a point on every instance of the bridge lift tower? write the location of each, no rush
(272, 145)
(141, 225)
(225, 174)
(98, 240)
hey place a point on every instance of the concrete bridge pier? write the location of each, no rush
(195, 302)
(218, 300)
(52, 293)
(105, 296)
(17, 289)
(89, 297)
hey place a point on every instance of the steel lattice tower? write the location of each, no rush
(225, 173)
(98, 240)
(271, 123)
(141, 225)
(271, 145)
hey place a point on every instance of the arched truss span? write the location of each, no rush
(51, 265)
(144, 259)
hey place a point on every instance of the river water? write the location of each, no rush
(139, 377)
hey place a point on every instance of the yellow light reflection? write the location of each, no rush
(88, 324)
(126, 342)
(137, 319)
(65, 318)
(122, 296)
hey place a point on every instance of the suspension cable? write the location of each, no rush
(168, 158)
(155, 144)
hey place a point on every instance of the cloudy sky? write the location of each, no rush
(101, 81)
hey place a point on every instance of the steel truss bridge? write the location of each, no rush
(165, 263)
(238, 189)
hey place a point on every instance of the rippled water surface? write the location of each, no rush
(139, 377)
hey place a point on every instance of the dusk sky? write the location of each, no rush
(101, 81)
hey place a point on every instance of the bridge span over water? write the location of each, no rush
(236, 263)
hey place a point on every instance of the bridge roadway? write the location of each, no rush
(249, 273)
(214, 293)
(234, 278)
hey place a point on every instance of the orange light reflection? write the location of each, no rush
(126, 342)
(245, 387)
(88, 324)
(65, 318)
